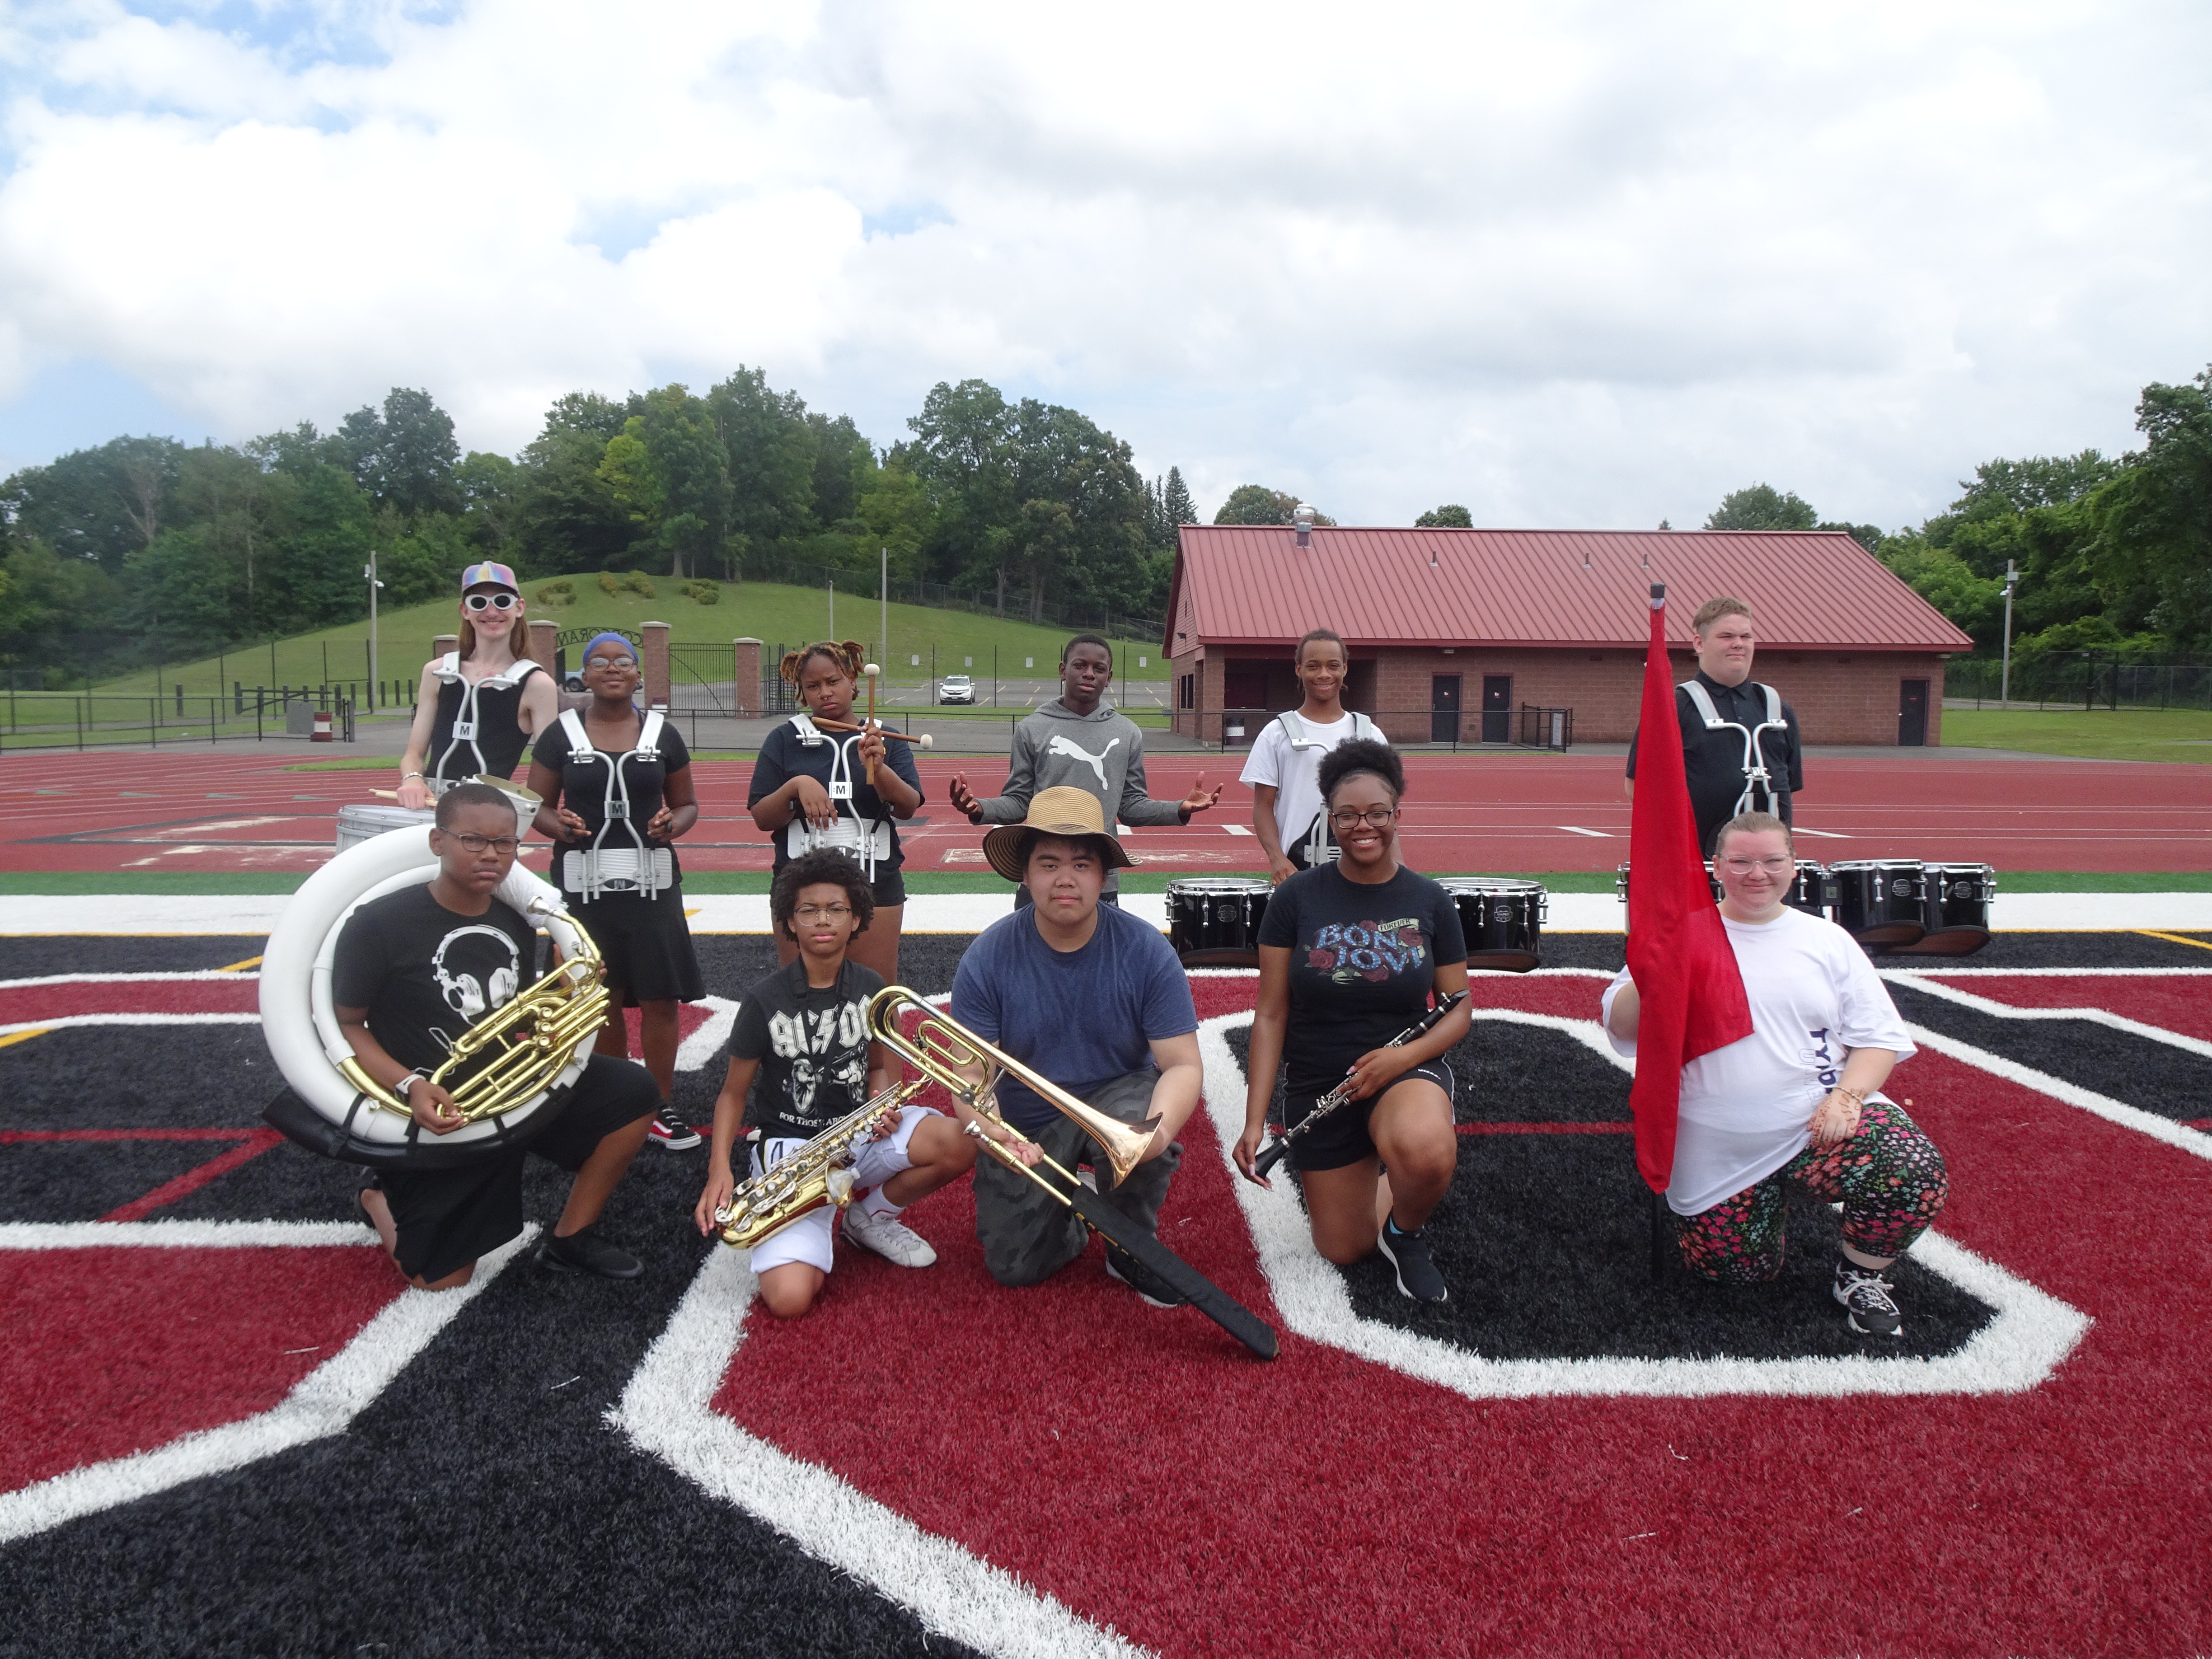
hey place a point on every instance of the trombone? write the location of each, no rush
(944, 1051)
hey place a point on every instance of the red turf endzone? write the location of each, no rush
(2181, 1003)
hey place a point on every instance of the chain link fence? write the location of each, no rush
(2079, 682)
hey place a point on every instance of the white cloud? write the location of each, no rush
(1569, 265)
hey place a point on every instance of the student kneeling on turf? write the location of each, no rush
(800, 1048)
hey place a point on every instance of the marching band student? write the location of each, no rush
(1074, 741)
(477, 708)
(1349, 953)
(1285, 758)
(800, 1049)
(809, 789)
(1798, 1101)
(617, 792)
(410, 973)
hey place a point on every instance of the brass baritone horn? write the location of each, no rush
(818, 1173)
(941, 1049)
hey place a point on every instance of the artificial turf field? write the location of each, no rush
(233, 1432)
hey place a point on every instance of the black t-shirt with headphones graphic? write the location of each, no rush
(426, 973)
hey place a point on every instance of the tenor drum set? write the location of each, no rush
(1213, 922)
(1901, 905)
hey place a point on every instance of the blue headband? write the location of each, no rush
(598, 640)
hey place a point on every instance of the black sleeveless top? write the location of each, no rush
(491, 709)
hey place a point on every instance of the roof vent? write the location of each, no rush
(1304, 517)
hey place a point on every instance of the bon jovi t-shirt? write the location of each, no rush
(426, 973)
(1363, 962)
(812, 1047)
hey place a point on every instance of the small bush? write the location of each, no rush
(703, 593)
(553, 595)
(638, 582)
(608, 585)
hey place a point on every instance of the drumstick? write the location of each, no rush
(388, 795)
(874, 672)
(921, 742)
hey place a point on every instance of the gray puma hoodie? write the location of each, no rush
(1103, 751)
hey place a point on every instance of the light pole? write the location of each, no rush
(375, 663)
(2004, 684)
(883, 605)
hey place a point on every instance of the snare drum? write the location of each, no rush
(1503, 918)
(1213, 922)
(1881, 901)
(359, 824)
(1956, 909)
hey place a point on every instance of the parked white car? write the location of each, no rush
(955, 688)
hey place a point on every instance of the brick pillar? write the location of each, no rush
(542, 650)
(655, 663)
(745, 685)
(444, 643)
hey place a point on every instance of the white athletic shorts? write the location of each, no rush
(812, 1239)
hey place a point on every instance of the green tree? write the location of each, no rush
(405, 457)
(2154, 521)
(1447, 516)
(1257, 504)
(844, 462)
(318, 581)
(691, 466)
(491, 488)
(101, 504)
(1761, 506)
(963, 453)
(771, 459)
(567, 518)
(1176, 499)
(586, 411)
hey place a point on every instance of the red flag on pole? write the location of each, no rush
(1690, 989)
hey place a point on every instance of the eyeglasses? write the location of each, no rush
(491, 601)
(613, 662)
(823, 912)
(1379, 816)
(1745, 866)
(504, 844)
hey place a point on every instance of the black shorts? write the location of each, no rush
(1340, 1140)
(448, 1217)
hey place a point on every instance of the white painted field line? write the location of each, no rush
(1594, 835)
(2095, 1016)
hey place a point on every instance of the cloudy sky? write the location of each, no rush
(1569, 264)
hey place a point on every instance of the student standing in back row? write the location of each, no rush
(1077, 742)
(1284, 768)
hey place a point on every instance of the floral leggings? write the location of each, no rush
(1889, 1176)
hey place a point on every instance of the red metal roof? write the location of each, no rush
(1251, 584)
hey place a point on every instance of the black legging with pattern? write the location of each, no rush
(1889, 1177)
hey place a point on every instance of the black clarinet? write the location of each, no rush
(1278, 1149)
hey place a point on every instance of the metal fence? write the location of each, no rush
(864, 582)
(84, 720)
(2079, 681)
(1443, 729)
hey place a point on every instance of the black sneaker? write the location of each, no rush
(584, 1252)
(1120, 1265)
(1408, 1253)
(1867, 1305)
(670, 1131)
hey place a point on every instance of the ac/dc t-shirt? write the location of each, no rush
(812, 1047)
(1363, 962)
(426, 973)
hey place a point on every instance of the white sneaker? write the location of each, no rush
(887, 1238)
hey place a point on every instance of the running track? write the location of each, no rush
(242, 810)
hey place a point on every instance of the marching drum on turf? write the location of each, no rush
(1881, 902)
(1954, 911)
(1213, 922)
(1502, 918)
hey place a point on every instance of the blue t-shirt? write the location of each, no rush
(1081, 1017)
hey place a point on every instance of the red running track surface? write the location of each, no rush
(242, 810)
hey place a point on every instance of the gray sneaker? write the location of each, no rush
(1868, 1307)
(889, 1237)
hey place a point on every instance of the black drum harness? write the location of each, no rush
(640, 867)
(1757, 780)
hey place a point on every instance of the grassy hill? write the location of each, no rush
(771, 613)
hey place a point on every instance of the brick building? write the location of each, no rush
(1460, 634)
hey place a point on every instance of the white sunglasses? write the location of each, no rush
(491, 601)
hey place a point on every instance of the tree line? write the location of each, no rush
(165, 546)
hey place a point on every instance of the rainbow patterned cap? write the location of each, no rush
(489, 570)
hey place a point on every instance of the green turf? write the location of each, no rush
(769, 612)
(2131, 734)
(63, 882)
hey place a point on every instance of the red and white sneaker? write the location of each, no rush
(669, 1131)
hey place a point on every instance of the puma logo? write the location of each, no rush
(1097, 763)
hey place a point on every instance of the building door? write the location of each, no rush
(1912, 714)
(1444, 705)
(1498, 707)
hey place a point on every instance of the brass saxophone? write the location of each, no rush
(819, 1173)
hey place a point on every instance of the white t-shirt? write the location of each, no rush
(1815, 997)
(1294, 774)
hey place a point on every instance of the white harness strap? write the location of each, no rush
(1320, 842)
(1757, 780)
(639, 868)
(866, 839)
(465, 717)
